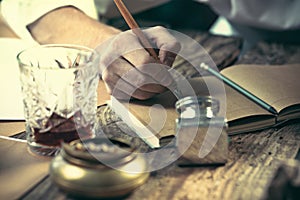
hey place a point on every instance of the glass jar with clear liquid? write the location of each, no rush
(201, 137)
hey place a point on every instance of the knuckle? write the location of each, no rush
(155, 29)
(142, 96)
(176, 45)
(172, 44)
(143, 61)
(107, 77)
(159, 28)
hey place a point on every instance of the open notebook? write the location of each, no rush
(277, 85)
(154, 119)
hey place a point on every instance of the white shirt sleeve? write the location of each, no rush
(265, 14)
(108, 9)
(20, 13)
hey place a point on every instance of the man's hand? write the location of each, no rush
(127, 68)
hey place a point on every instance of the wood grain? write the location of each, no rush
(253, 160)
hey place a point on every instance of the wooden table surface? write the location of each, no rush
(253, 157)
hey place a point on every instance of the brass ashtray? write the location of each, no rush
(99, 167)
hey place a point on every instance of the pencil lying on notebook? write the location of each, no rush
(135, 28)
(243, 91)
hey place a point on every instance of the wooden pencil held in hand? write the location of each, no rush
(135, 28)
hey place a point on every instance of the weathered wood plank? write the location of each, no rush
(286, 183)
(224, 51)
(253, 160)
(272, 54)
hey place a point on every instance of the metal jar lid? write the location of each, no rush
(99, 167)
(204, 106)
(198, 111)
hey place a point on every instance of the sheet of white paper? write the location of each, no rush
(11, 106)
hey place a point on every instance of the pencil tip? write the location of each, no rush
(273, 111)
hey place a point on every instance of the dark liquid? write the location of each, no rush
(62, 130)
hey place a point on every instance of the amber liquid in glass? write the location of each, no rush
(62, 130)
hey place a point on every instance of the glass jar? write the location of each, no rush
(201, 136)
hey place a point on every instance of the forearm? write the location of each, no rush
(72, 26)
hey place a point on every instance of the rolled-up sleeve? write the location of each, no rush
(20, 13)
(266, 14)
